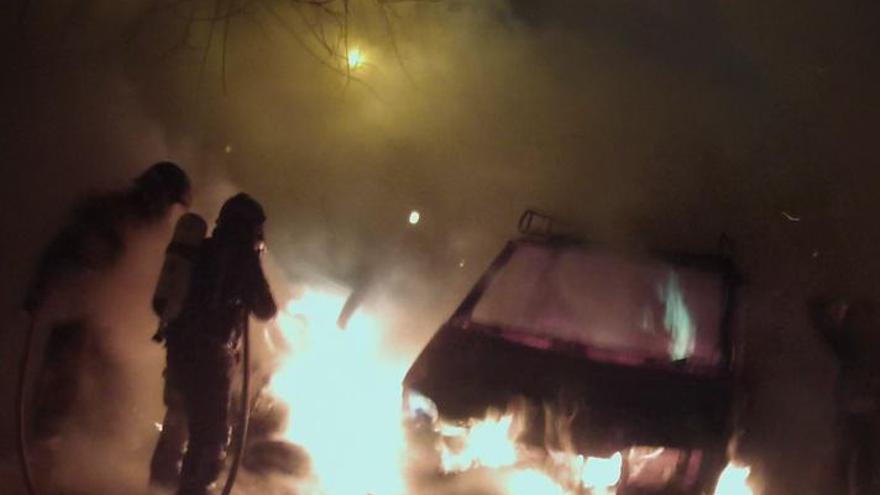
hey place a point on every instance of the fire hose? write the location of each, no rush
(244, 418)
(20, 408)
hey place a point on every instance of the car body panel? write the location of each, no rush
(618, 392)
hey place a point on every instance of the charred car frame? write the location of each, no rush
(636, 350)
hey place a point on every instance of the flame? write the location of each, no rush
(531, 482)
(490, 443)
(347, 411)
(600, 473)
(344, 396)
(734, 481)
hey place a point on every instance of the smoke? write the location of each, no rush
(113, 374)
(639, 124)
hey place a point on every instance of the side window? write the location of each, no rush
(607, 302)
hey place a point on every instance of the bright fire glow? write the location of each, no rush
(734, 481)
(355, 58)
(487, 443)
(531, 482)
(414, 217)
(601, 473)
(344, 396)
(346, 410)
(493, 443)
(598, 474)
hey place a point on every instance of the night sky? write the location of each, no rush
(641, 124)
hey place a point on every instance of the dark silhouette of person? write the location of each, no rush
(92, 240)
(227, 287)
(848, 329)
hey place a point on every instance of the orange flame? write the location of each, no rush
(344, 395)
(346, 407)
(490, 443)
(734, 481)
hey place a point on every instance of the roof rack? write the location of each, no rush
(535, 223)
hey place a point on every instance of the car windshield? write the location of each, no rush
(617, 306)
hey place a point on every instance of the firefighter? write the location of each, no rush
(847, 329)
(93, 240)
(227, 286)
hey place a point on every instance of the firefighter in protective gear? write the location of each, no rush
(227, 287)
(93, 240)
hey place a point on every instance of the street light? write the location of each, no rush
(355, 58)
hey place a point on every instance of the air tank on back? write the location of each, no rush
(180, 258)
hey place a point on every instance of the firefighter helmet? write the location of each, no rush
(241, 209)
(165, 179)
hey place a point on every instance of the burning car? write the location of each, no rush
(620, 364)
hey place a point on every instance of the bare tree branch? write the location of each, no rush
(207, 50)
(296, 36)
(389, 27)
(324, 29)
(226, 23)
(183, 40)
(319, 36)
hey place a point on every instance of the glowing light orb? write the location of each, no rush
(355, 58)
(414, 217)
